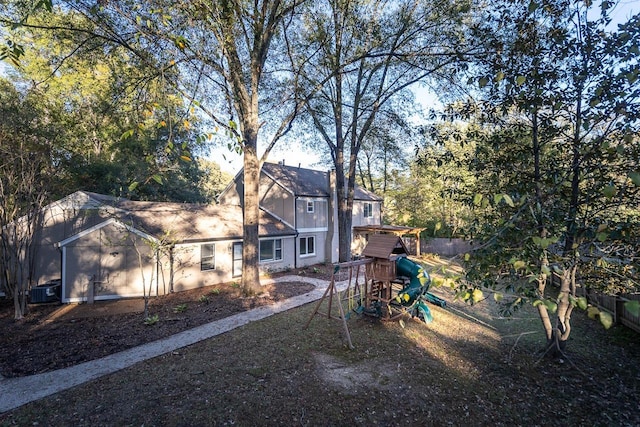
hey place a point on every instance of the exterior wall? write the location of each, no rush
(319, 256)
(186, 267)
(358, 213)
(276, 200)
(288, 256)
(58, 224)
(187, 273)
(232, 195)
(311, 221)
(105, 264)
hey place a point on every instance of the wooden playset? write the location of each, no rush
(393, 285)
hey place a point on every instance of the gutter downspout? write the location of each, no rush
(171, 262)
(295, 227)
(62, 272)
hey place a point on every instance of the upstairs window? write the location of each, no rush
(368, 210)
(270, 250)
(207, 257)
(311, 207)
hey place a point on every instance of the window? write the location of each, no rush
(310, 207)
(207, 257)
(368, 210)
(237, 259)
(307, 245)
(270, 250)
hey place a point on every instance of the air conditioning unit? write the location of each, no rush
(47, 292)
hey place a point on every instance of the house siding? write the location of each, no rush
(232, 195)
(276, 200)
(358, 213)
(58, 224)
(105, 264)
(186, 264)
(319, 256)
(288, 256)
(315, 220)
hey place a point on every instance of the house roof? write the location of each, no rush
(308, 182)
(189, 222)
(186, 222)
(300, 181)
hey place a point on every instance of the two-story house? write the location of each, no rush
(306, 200)
(101, 247)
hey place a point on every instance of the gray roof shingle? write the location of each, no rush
(308, 182)
(185, 222)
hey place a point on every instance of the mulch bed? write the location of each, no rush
(45, 341)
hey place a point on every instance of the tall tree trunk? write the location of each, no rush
(250, 247)
(543, 312)
(344, 210)
(571, 227)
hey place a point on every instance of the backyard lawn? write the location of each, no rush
(468, 367)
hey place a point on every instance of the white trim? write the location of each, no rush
(288, 236)
(313, 199)
(102, 225)
(274, 259)
(364, 209)
(278, 218)
(214, 257)
(106, 297)
(262, 171)
(313, 230)
(306, 238)
(229, 185)
(63, 275)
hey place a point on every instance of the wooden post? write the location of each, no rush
(332, 291)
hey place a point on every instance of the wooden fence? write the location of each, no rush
(613, 304)
(441, 246)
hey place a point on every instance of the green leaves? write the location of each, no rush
(606, 319)
(127, 134)
(544, 243)
(477, 295)
(552, 306)
(633, 307)
(582, 303)
(635, 178)
(480, 200)
(471, 295)
(609, 191)
(497, 198)
(518, 264)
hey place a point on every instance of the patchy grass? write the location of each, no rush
(468, 367)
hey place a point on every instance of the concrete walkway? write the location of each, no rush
(15, 392)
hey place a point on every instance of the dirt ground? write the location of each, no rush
(54, 336)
